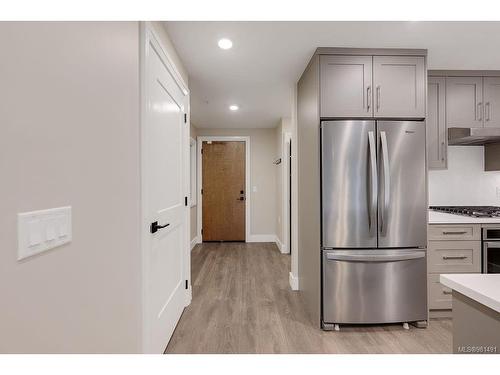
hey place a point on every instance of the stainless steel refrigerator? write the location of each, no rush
(374, 221)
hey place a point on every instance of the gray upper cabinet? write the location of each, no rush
(436, 124)
(399, 86)
(464, 102)
(346, 86)
(491, 101)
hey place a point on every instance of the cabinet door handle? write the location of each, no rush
(480, 111)
(445, 257)
(442, 151)
(368, 98)
(487, 109)
(446, 232)
(378, 98)
(447, 292)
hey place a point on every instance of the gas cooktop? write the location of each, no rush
(474, 211)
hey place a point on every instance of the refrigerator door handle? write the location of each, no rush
(372, 220)
(387, 183)
(376, 257)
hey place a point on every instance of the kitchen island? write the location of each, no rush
(476, 312)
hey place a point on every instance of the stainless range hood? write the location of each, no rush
(487, 137)
(473, 136)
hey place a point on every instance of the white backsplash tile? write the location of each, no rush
(464, 182)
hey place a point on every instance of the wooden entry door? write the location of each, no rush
(223, 179)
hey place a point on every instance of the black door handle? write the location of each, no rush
(155, 226)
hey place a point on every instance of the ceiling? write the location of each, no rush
(267, 59)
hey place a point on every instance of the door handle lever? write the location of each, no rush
(154, 226)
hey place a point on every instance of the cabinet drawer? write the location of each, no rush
(467, 232)
(439, 295)
(454, 256)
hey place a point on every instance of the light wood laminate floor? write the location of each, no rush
(242, 303)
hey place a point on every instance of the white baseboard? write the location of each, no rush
(262, 238)
(294, 281)
(281, 246)
(268, 238)
(195, 241)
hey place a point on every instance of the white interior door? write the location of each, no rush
(165, 166)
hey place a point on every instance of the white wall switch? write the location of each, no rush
(254, 189)
(51, 225)
(39, 231)
(62, 226)
(34, 232)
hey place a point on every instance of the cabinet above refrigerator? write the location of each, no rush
(372, 86)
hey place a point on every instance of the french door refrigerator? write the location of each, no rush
(374, 221)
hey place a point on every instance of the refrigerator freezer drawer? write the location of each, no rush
(374, 286)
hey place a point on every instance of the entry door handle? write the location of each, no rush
(155, 226)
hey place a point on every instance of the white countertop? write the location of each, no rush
(483, 288)
(444, 218)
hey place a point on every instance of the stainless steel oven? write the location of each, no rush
(491, 250)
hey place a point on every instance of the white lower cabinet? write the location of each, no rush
(453, 248)
(439, 295)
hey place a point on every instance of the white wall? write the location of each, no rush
(464, 182)
(262, 175)
(69, 135)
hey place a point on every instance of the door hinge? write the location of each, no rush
(201, 230)
(186, 284)
(202, 151)
(185, 201)
(185, 118)
(202, 191)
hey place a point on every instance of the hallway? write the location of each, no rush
(242, 303)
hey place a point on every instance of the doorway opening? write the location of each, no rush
(223, 210)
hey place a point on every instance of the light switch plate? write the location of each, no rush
(39, 231)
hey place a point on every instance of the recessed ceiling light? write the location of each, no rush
(233, 107)
(225, 43)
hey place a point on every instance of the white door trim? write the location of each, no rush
(286, 246)
(248, 194)
(166, 58)
(148, 39)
